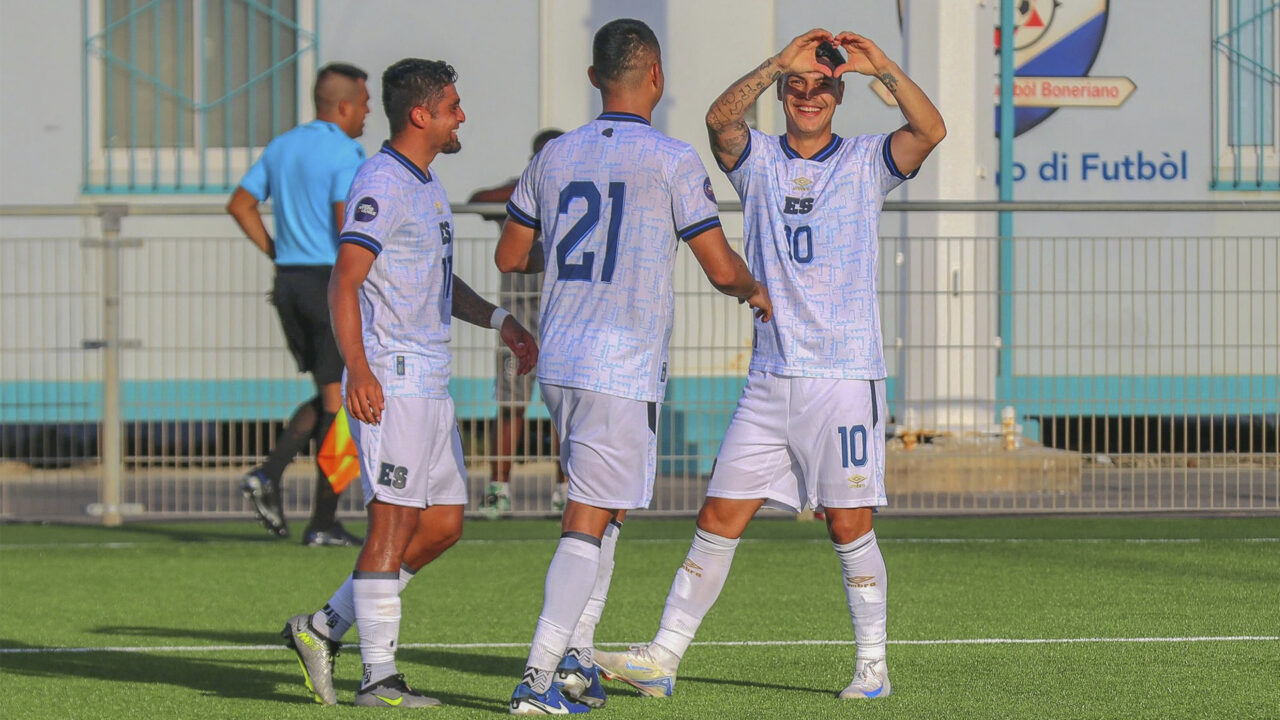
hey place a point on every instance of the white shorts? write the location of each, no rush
(608, 446)
(414, 456)
(794, 440)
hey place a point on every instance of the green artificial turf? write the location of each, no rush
(191, 614)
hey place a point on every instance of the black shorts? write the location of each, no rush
(301, 297)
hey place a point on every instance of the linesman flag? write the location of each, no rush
(337, 458)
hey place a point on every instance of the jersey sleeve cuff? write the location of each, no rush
(690, 232)
(362, 240)
(889, 163)
(519, 216)
(741, 158)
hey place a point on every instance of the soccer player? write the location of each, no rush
(393, 292)
(521, 293)
(809, 426)
(613, 200)
(307, 171)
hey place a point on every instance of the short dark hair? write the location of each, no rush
(319, 94)
(412, 82)
(619, 47)
(544, 137)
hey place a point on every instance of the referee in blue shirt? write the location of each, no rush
(306, 172)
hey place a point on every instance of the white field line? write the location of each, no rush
(685, 541)
(710, 643)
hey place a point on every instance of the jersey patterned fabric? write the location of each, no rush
(811, 232)
(401, 215)
(611, 198)
(306, 170)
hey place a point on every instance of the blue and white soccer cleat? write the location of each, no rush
(639, 668)
(870, 681)
(580, 684)
(524, 701)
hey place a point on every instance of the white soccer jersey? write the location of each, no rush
(402, 216)
(611, 198)
(811, 233)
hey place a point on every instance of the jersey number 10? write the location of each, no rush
(584, 269)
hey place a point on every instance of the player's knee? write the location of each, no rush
(844, 525)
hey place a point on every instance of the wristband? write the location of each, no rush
(495, 320)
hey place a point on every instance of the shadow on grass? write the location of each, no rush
(252, 679)
(221, 637)
(273, 679)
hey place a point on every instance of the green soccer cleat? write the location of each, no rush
(393, 692)
(497, 502)
(316, 655)
(638, 668)
(870, 681)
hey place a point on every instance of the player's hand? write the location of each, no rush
(864, 55)
(760, 302)
(521, 343)
(799, 56)
(364, 396)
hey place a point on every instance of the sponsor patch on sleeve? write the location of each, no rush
(706, 189)
(366, 209)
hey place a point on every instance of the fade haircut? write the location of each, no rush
(324, 93)
(619, 49)
(413, 82)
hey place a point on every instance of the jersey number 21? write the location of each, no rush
(584, 269)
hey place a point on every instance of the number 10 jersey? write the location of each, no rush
(810, 229)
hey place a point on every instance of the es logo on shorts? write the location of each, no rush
(366, 209)
(393, 475)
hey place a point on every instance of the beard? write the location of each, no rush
(452, 146)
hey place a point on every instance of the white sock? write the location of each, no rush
(377, 607)
(867, 586)
(584, 635)
(570, 579)
(339, 614)
(697, 585)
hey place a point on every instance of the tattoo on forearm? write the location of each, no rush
(890, 82)
(468, 306)
(733, 104)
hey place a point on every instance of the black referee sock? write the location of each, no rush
(297, 433)
(324, 507)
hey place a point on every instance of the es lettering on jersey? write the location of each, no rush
(811, 231)
(611, 198)
(401, 215)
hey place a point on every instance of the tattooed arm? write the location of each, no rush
(913, 142)
(726, 120)
(470, 307)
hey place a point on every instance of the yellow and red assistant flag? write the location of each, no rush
(337, 457)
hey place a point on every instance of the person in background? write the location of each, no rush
(522, 294)
(306, 172)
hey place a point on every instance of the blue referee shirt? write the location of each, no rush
(305, 171)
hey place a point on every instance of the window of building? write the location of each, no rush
(181, 95)
(1246, 124)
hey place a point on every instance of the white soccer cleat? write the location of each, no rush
(639, 668)
(870, 680)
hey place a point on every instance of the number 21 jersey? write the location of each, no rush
(611, 198)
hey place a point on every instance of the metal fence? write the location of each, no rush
(142, 374)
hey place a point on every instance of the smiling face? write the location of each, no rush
(809, 101)
(445, 119)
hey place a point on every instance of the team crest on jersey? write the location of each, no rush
(366, 209)
(706, 189)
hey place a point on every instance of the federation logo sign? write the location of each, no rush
(366, 209)
(1055, 43)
